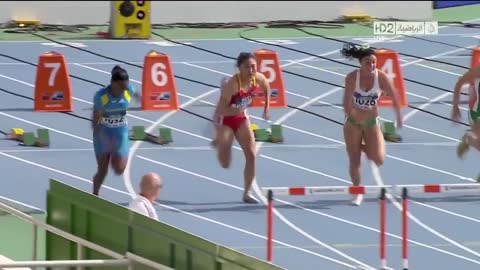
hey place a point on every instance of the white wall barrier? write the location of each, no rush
(98, 12)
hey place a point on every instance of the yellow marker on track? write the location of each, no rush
(16, 133)
(254, 127)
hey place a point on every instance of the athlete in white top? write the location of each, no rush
(472, 138)
(366, 100)
(363, 88)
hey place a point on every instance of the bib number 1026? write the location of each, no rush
(366, 101)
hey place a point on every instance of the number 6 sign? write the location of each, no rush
(53, 91)
(159, 91)
(387, 61)
(269, 65)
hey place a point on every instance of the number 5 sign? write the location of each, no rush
(159, 91)
(53, 91)
(387, 61)
(269, 65)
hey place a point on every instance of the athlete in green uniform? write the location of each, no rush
(472, 137)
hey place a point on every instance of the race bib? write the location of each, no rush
(365, 101)
(243, 103)
(114, 121)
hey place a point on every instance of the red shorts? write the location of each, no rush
(233, 121)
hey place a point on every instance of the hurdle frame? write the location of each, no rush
(403, 192)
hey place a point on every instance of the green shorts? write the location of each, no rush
(368, 124)
(473, 117)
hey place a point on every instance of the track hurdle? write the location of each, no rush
(405, 228)
(406, 190)
(439, 188)
(383, 225)
(269, 226)
(325, 190)
(379, 191)
(402, 191)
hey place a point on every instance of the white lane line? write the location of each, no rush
(36, 164)
(379, 181)
(128, 184)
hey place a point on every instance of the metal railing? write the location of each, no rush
(127, 259)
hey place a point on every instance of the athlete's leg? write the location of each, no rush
(102, 170)
(374, 144)
(246, 139)
(472, 137)
(217, 123)
(475, 136)
(223, 142)
(120, 157)
(353, 141)
(103, 159)
(119, 163)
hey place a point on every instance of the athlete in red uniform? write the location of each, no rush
(232, 121)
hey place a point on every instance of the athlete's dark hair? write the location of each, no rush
(244, 56)
(116, 67)
(119, 74)
(349, 50)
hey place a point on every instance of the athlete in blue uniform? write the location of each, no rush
(110, 128)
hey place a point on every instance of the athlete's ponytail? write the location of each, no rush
(350, 51)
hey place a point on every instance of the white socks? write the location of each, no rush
(357, 201)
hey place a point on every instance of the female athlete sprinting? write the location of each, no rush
(471, 138)
(232, 121)
(110, 128)
(362, 132)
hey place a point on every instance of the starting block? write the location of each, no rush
(274, 135)
(390, 133)
(138, 134)
(29, 139)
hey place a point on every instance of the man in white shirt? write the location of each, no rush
(150, 187)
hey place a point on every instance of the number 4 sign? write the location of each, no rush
(53, 90)
(475, 60)
(388, 62)
(159, 91)
(269, 65)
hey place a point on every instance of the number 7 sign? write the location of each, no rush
(387, 61)
(269, 65)
(53, 91)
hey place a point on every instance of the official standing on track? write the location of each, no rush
(150, 187)
(362, 132)
(110, 128)
(232, 121)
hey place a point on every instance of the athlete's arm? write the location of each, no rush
(387, 86)
(348, 95)
(133, 91)
(97, 112)
(226, 91)
(266, 90)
